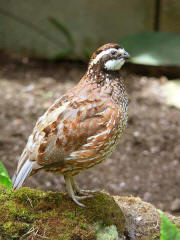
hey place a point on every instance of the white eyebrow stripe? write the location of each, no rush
(121, 50)
(96, 59)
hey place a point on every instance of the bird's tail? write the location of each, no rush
(23, 170)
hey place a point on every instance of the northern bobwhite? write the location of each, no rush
(82, 128)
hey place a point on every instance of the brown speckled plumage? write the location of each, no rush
(82, 128)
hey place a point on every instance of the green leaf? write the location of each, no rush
(4, 177)
(153, 48)
(62, 28)
(168, 229)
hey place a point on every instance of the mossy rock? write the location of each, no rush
(34, 214)
(142, 219)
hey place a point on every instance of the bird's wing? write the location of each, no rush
(66, 131)
(27, 161)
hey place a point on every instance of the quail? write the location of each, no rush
(82, 127)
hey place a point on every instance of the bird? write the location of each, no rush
(82, 127)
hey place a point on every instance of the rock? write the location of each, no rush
(142, 219)
(175, 205)
(33, 214)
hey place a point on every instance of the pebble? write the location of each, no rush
(48, 183)
(136, 134)
(175, 205)
(137, 178)
(122, 185)
(138, 219)
(147, 196)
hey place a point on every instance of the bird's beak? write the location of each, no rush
(126, 55)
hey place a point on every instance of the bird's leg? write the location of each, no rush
(82, 191)
(71, 193)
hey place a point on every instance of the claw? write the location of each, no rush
(82, 191)
(84, 197)
(71, 192)
(72, 186)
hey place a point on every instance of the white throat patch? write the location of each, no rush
(114, 64)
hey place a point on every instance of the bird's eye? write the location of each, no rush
(113, 53)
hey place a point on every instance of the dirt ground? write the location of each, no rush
(146, 162)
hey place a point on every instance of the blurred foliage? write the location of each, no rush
(4, 177)
(47, 95)
(171, 90)
(63, 30)
(168, 229)
(87, 52)
(153, 48)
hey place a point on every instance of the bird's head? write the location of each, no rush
(109, 57)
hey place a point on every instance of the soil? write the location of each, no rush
(146, 162)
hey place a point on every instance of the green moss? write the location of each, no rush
(14, 230)
(84, 226)
(64, 236)
(70, 215)
(55, 215)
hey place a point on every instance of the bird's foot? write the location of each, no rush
(68, 180)
(82, 191)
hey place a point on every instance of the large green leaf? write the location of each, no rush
(153, 48)
(4, 177)
(168, 230)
